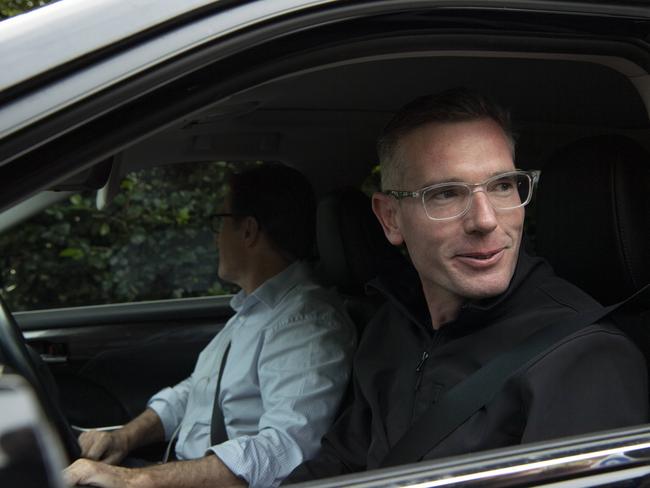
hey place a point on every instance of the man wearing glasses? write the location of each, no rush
(453, 197)
(276, 371)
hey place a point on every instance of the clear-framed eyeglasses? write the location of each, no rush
(446, 201)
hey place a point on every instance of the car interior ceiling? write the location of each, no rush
(325, 121)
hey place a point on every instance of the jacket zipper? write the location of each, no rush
(418, 379)
(418, 369)
(423, 359)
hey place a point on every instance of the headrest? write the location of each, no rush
(351, 243)
(593, 216)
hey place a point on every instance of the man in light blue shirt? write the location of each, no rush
(287, 356)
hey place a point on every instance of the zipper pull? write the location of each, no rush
(418, 369)
(425, 356)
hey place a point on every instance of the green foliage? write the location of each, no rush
(372, 183)
(152, 242)
(9, 8)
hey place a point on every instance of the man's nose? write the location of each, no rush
(481, 217)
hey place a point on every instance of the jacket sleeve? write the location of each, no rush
(593, 380)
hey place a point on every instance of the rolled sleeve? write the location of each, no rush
(169, 404)
(303, 368)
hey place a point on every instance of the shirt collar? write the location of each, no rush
(273, 290)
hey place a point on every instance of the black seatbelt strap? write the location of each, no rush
(218, 432)
(478, 389)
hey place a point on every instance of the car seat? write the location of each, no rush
(593, 224)
(353, 250)
(593, 216)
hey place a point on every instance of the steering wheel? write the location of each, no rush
(15, 352)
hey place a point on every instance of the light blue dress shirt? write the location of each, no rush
(287, 369)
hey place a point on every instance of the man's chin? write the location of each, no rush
(477, 289)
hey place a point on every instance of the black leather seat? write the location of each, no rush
(593, 224)
(353, 250)
(593, 216)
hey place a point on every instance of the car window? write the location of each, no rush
(153, 241)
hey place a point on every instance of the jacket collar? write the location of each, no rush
(404, 290)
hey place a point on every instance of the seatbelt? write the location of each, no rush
(218, 432)
(478, 389)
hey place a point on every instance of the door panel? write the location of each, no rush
(106, 370)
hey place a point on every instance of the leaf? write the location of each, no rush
(138, 238)
(127, 184)
(183, 216)
(72, 252)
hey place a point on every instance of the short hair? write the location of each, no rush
(282, 201)
(453, 105)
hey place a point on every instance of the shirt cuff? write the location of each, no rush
(162, 403)
(249, 461)
(231, 455)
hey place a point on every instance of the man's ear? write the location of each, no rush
(251, 231)
(385, 208)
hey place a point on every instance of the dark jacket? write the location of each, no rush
(592, 380)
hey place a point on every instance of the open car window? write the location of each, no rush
(152, 242)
